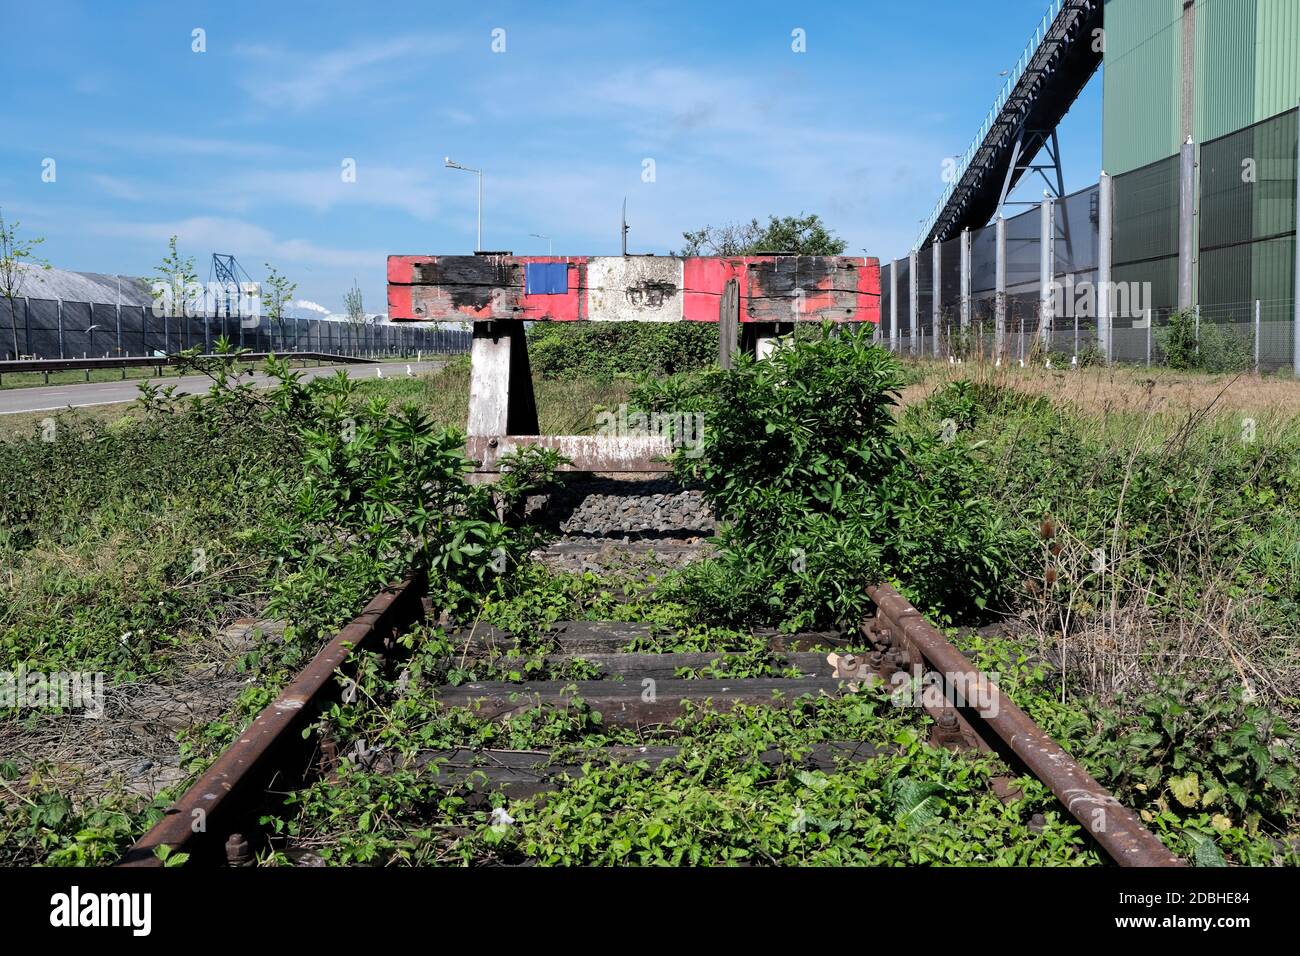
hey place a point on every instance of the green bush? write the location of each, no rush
(821, 493)
(1214, 348)
(604, 349)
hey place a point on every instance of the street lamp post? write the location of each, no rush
(549, 250)
(447, 161)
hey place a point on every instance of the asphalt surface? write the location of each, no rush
(48, 398)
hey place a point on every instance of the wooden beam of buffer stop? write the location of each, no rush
(755, 299)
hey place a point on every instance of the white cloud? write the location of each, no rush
(321, 188)
(311, 306)
(297, 81)
(170, 144)
(118, 188)
(253, 243)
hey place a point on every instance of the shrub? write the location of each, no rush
(605, 349)
(821, 493)
(1212, 348)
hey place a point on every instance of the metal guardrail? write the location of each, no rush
(159, 362)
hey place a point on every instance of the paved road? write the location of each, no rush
(54, 397)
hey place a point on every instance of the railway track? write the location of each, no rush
(215, 821)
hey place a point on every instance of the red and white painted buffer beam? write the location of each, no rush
(754, 298)
(632, 288)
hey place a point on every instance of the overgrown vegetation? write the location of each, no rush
(603, 350)
(821, 491)
(1142, 570)
(300, 500)
(1186, 343)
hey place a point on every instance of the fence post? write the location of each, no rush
(1046, 273)
(1257, 336)
(936, 291)
(1106, 295)
(894, 337)
(1000, 287)
(1186, 222)
(27, 324)
(965, 280)
(60, 313)
(1196, 331)
(913, 305)
(1150, 321)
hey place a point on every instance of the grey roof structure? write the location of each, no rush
(85, 287)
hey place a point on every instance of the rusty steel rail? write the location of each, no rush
(205, 822)
(901, 630)
(210, 820)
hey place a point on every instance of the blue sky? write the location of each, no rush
(241, 148)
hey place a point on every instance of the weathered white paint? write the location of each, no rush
(489, 381)
(586, 453)
(634, 289)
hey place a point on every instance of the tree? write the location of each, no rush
(803, 235)
(173, 280)
(277, 293)
(17, 255)
(352, 304)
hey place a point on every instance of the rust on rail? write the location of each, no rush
(1115, 827)
(207, 813)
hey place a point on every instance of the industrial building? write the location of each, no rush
(1195, 206)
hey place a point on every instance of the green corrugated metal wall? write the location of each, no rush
(1247, 69)
(1225, 67)
(1277, 57)
(1142, 91)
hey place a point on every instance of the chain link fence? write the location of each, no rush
(1242, 272)
(1254, 336)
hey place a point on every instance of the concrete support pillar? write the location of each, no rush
(1105, 284)
(936, 293)
(894, 336)
(1046, 273)
(1186, 225)
(501, 400)
(913, 303)
(1000, 287)
(762, 337)
(965, 280)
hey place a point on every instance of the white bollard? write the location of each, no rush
(409, 372)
